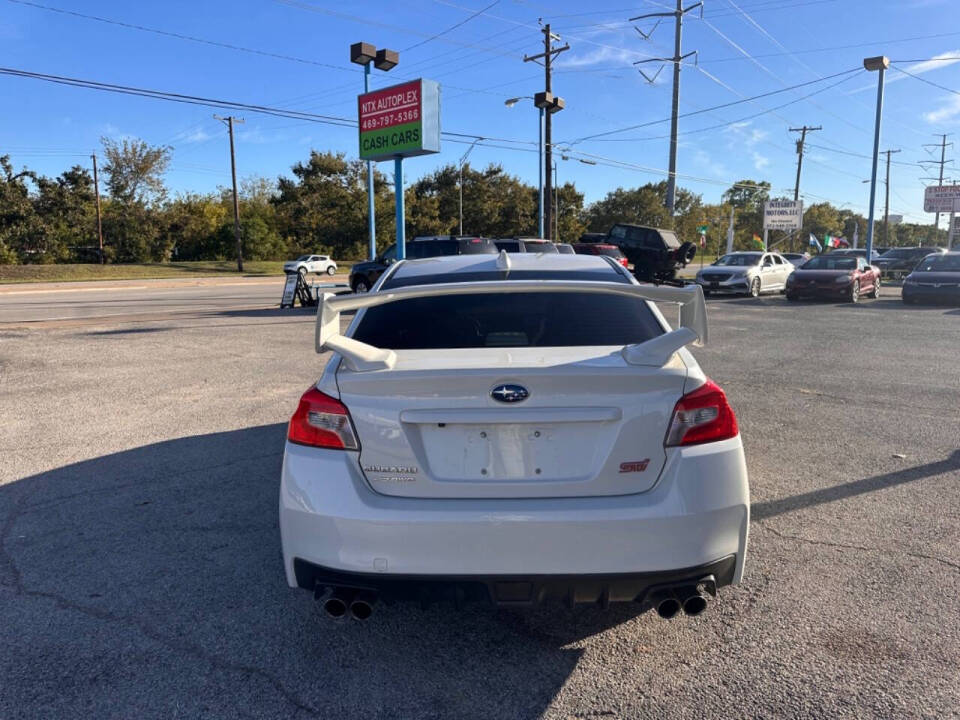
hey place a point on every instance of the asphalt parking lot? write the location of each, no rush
(140, 571)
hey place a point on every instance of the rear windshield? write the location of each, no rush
(508, 245)
(552, 319)
(609, 250)
(601, 274)
(831, 262)
(537, 246)
(439, 248)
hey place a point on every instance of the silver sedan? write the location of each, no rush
(746, 273)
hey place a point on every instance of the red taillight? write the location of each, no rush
(321, 421)
(702, 415)
(623, 261)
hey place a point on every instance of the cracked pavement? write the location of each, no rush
(140, 571)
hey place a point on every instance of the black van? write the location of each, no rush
(364, 274)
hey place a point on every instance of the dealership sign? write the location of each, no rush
(782, 214)
(941, 198)
(400, 121)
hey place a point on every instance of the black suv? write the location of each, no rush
(656, 254)
(526, 245)
(897, 263)
(364, 274)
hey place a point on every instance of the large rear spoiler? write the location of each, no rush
(656, 352)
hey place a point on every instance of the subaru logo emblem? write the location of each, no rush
(509, 393)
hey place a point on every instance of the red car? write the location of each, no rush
(834, 276)
(601, 249)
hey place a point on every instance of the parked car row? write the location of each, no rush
(363, 275)
(841, 274)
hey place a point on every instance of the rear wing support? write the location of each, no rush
(656, 352)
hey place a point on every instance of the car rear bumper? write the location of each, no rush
(696, 514)
(929, 293)
(516, 590)
(836, 291)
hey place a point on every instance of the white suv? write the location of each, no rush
(311, 264)
(513, 429)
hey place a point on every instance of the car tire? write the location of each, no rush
(875, 293)
(791, 297)
(360, 285)
(854, 292)
(755, 287)
(331, 270)
(908, 300)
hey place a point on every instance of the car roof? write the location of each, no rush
(452, 264)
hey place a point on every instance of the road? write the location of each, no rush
(140, 571)
(137, 300)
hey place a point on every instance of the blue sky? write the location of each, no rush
(746, 48)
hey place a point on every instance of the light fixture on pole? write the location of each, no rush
(460, 183)
(510, 103)
(879, 64)
(365, 54)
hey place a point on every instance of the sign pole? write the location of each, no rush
(401, 217)
(371, 209)
(766, 245)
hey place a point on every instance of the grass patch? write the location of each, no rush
(141, 271)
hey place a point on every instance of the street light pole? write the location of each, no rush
(542, 110)
(371, 207)
(365, 54)
(460, 182)
(880, 64)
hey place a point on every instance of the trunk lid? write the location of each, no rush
(591, 425)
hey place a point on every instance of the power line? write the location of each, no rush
(180, 36)
(721, 106)
(452, 27)
(212, 102)
(928, 82)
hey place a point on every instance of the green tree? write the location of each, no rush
(21, 232)
(135, 170)
(323, 208)
(191, 224)
(645, 205)
(747, 195)
(66, 208)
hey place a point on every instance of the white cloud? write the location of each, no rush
(948, 112)
(601, 56)
(760, 161)
(704, 160)
(196, 136)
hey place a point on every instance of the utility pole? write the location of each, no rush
(800, 143)
(941, 162)
(886, 207)
(677, 59)
(229, 121)
(546, 101)
(96, 192)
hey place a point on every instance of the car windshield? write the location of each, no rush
(302, 257)
(550, 319)
(831, 262)
(741, 260)
(939, 263)
(900, 254)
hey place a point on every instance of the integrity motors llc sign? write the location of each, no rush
(400, 121)
(783, 215)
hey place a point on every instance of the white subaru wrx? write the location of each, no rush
(513, 429)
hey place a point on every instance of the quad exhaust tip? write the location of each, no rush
(340, 600)
(695, 604)
(335, 607)
(668, 608)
